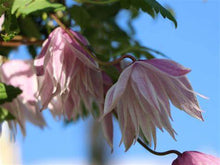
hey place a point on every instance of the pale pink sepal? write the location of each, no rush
(168, 66)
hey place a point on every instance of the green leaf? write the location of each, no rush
(5, 5)
(31, 6)
(149, 6)
(30, 29)
(164, 12)
(125, 3)
(8, 36)
(8, 93)
(10, 23)
(17, 4)
(10, 27)
(5, 115)
(80, 15)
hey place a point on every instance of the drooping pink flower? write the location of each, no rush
(68, 75)
(141, 98)
(196, 158)
(25, 106)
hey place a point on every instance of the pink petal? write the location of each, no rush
(117, 90)
(107, 126)
(169, 67)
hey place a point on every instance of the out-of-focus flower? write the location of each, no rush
(2, 18)
(196, 158)
(24, 107)
(141, 98)
(68, 75)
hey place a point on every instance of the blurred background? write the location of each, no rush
(194, 44)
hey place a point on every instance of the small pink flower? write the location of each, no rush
(24, 107)
(68, 74)
(196, 158)
(141, 98)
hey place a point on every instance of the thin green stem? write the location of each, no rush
(118, 60)
(158, 153)
(99, 2)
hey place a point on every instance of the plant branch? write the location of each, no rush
(21, 40)
(158, 153)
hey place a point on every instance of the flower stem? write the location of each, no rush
(118, 60)
(86, 48)
(99, 2)
(158, 153)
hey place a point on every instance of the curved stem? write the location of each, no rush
(118, 60)
(158, 153)
(86, 48)
(99, 2)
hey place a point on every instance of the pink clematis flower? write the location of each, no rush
(68, 75)
(196, 158)
(25, 106)
(141, 98)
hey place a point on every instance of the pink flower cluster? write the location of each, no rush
(66, 79)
